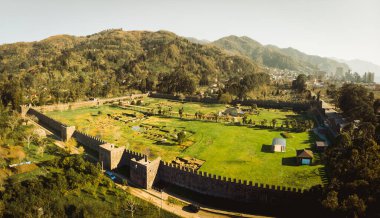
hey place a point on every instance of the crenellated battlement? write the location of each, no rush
(136, 155)
(200, 181)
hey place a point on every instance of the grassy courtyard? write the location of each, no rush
(233, 151)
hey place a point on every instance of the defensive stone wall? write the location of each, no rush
(111, 157)
(88, 141)
(67, 132)
(47, 122)
(133, 155)
(218, 186)
(145, 173)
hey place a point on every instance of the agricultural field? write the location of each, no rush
(240, 152)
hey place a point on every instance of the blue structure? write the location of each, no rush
(110, 175)
(304, 157)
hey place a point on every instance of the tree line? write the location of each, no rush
(353, 162)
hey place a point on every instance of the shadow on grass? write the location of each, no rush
(266, 148)
(289, 161)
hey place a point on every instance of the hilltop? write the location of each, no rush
(114, 62)
(273, 56)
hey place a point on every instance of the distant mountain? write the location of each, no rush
(198, 41)
(273, 56)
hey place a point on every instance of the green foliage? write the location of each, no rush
(181, 136)
(110, 63)
(286, 135)
(356, 103)
(10, 91)
(354, 168)
(72, 188)
(241, 86)
(177, 82)
(225, 98)
(272, 56)
(300, 83)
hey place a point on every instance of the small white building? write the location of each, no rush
(279, 145)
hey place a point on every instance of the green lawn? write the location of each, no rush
(232, 151)
(188, 107)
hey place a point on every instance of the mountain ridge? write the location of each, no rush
(273, 56)
(114, 61)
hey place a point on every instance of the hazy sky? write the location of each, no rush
(334, 28)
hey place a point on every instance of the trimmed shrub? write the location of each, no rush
(286, 135)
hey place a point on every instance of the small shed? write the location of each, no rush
(279, 145)
(320, 145)
(304, 157)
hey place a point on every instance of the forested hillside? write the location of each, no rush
(67, 68)
(272, 56)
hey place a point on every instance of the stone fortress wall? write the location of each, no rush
(145, 173)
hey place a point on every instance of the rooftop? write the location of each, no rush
(107, 146)
(279, 141)
(305, 153)
(320, 143)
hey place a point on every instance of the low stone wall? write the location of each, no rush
(260, 103)
(80, 104)
(303, 106)
(187, 98)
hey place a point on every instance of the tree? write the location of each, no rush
(355, 173)
(181, 97)
(331, 201)
(225, 98)
(180, 112)
(241, 86)
(29, 135)
(131, 204)
(42, 143)
(299, 84)
(244, 119)
(356, 103)
(181, 136)
(177, 82)
(354, 206)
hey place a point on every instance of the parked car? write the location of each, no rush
(194, 208)
(110, 175)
